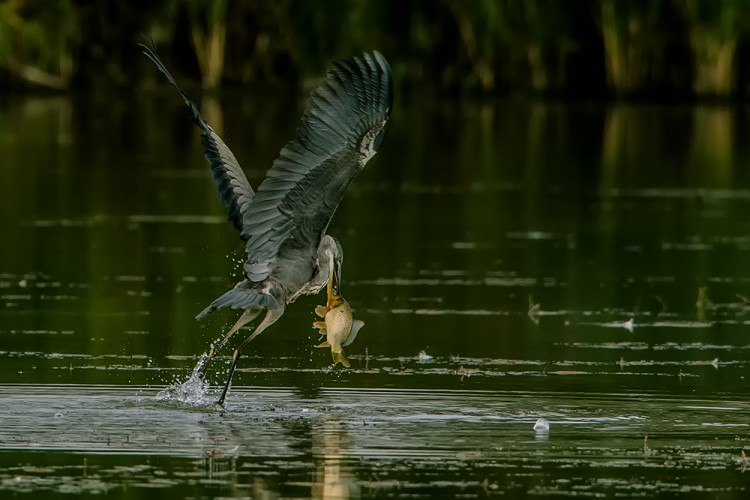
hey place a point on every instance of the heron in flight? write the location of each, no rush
(284, 223)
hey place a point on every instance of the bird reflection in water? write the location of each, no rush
(334, 477)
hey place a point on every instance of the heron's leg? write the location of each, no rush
(247, 316)
(271, 316)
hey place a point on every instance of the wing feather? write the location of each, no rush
(234, 189)
(340, 130)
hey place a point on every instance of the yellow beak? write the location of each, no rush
(334, 282)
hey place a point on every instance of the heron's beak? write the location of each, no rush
(336, 278)
(334, 282)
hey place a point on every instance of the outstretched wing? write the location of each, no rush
(341, 129)
(234, 189)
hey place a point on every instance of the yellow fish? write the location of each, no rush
(338, 325)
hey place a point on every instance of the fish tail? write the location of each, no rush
(338, 357)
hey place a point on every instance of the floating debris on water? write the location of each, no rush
(541, 426)
(627, 325)
(714, 362)
(423, 356)
(534, 311)
(465, 372)
(214, 453)
(702, 304)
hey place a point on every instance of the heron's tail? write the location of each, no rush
(239, 297)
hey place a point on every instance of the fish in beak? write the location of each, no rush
(338, 325)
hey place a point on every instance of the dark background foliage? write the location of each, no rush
(662, 49)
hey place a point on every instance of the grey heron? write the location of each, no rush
(284, 223)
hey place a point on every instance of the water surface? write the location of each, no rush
(583, 264)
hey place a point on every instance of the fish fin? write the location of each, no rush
(319, 324)
(357, 325)
(321, 311)
(338, 357)
(324, 344)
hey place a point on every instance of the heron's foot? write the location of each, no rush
(223, 398)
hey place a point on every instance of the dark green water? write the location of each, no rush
(112, 239)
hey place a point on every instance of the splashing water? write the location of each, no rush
(194, 391)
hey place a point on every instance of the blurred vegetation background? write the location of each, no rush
(660, 49)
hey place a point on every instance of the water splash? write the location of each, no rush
(194, 391)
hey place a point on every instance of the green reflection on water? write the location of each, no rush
(619, 211)
(113, 239)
